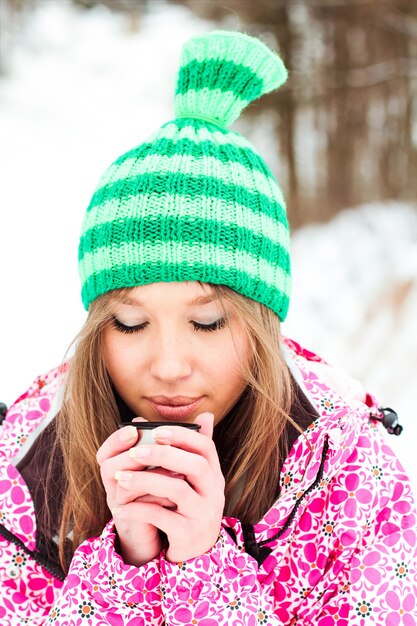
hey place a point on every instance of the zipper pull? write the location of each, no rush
(389, 419)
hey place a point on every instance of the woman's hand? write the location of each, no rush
(140, 541)
(193, 527)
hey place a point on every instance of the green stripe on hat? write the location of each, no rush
(199, 133)
(177, 229)
(190, 153)
(122, 277)
(228, 211)
(220, 170)
(242, 81)
(204, 186)
(183, 253)
(182, 261)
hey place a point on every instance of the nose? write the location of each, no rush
(171, 358)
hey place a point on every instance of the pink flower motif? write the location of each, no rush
(365, 568)
(17, 495)
(114, 619)
(351, 496)
(272, 517)
(192, 593)
(72, 581)
(183, 615)
(284, 584)
(45, 405)
(334, 614)
(27, 524)
(402, 609)
(148, 589)
(392, 531)
(306, 521)
(136, 621)
(314, 563)
(284, 611)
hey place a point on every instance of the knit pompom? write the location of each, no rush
(221, 72)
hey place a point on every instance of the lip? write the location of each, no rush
(174, 408)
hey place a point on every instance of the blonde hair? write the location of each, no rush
(249, 440)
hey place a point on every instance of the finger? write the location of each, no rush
(191, 440)
(122, 461)
(124, 496)
(181, 495)
(116, 493)
(165, 502)
(123, 493)
(199, 480)
(193, 466)
(144, 512)
(206, 421)
(117, 442)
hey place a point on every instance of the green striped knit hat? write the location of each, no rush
(196, 201)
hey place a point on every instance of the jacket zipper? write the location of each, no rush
(258, 550)
(39, 558)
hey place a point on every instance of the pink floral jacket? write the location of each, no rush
(337, 548)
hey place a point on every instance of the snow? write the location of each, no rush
(81, 89)
(355, 302)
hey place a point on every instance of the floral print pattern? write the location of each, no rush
(342, 537)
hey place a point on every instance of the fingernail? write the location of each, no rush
(163, 433)
(122, 476)
(139, 452)
(128, 433)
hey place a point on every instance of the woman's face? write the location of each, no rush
(173, 354)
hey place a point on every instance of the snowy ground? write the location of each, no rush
(81, 90)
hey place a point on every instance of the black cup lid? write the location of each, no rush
(152, 425)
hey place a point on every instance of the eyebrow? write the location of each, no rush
(129, 300)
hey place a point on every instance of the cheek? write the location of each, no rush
(109, 349)
(115, 355)
(239, 349)
(229, 359)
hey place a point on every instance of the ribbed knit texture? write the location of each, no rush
(195, 201)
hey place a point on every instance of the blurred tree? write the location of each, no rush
(9, 24)
(345, 124)
(115, 5)
(346, 121)
(132, 8)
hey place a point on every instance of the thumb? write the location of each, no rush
(206, 421)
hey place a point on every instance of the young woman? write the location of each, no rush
(286, 506)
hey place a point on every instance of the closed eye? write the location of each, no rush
(217, 325)
(123, 328)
